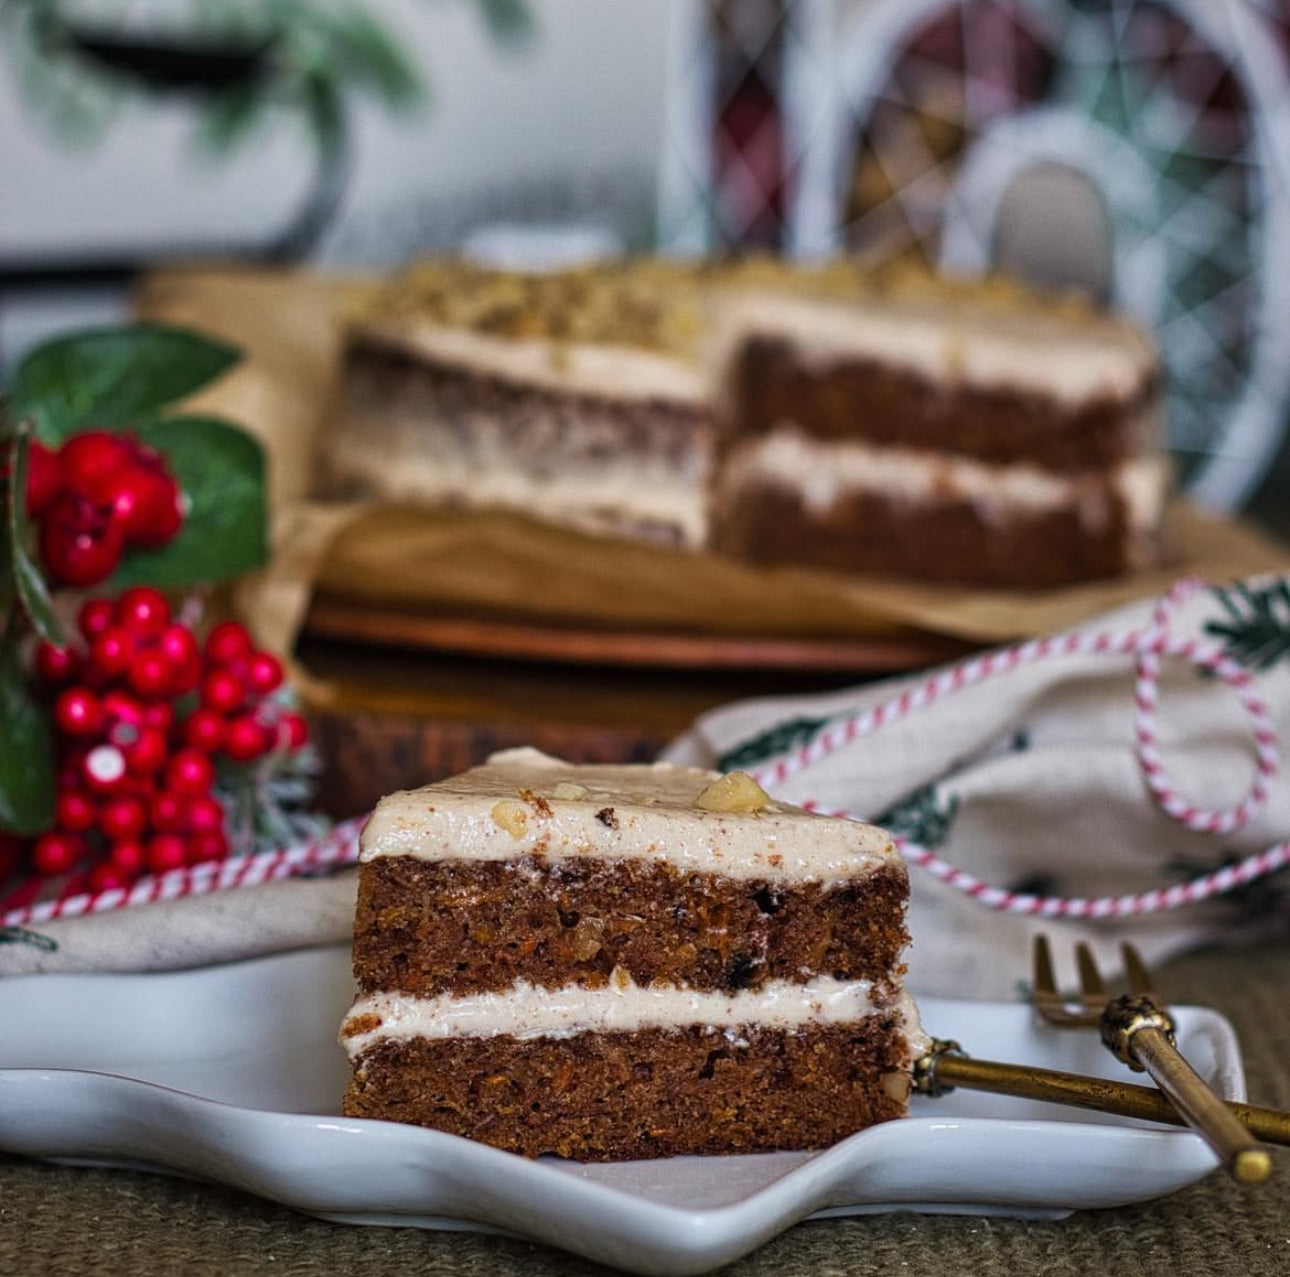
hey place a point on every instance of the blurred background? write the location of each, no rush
(1138, 150)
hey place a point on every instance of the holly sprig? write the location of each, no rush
(125, 378)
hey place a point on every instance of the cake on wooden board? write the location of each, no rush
(609, 962)
(828, 415)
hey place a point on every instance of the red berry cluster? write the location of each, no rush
(98, 495)
(142, 711)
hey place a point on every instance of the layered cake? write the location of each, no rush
(991, 442)
(580, 397)
(829, 416)
(609, 962)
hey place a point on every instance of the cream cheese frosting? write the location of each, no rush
(826, 471)
(519, 804)
(583, 368)
(621, 1006)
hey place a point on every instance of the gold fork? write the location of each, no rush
(1140, 1032)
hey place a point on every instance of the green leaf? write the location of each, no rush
(26, 749)
(231, 118)
(33, 592)
(113, 376)
(365, 53)
(221, 471)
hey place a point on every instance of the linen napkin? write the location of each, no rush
(1116, 780)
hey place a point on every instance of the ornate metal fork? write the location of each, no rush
(1139, 1031)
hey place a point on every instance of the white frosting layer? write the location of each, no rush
(524, 1011)
(509, 808)
(1069, 359)
(825, 472)
(617, 372)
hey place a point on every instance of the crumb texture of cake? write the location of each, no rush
(584, 960)
(826, 415)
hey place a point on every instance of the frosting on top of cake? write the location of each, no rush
(523, 802)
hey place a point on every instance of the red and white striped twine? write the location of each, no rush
(339, 846)
(1147, 646)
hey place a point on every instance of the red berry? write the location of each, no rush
(180, 648)
(159, 715)
(78, 712)
(112, 651)
(204, 730)
(57, 664)
(90, 459)
(150, 674)
(206, 815)
(293, 732)
(264, 673)
(107, 876)
(80, 543)
(143, 611)
(150, 507)
(44, 478)
(145, 751)
(166, 852)
(95, 616)
(228, 643)
(122, 708)
(56, 852)
(129, 856)
(75, 810)
(222, 691)
(189, 772)
(206, 847)
(168, 811)
(247, 739)
(122, 818)
(104, 769)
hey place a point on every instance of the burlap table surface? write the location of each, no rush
(64, 1222)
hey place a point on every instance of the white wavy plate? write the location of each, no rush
(232, 1074)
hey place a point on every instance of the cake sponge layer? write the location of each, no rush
(653, 1093)
(460, 926)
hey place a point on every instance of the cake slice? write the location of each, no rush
(609, 962)
(992, 438)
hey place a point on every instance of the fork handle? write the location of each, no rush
(945, 1066)
(1141, 1034)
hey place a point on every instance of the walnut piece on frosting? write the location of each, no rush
(567, 792)
(733, 792)
(511, 815)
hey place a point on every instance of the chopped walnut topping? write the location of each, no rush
(511, 815)
(565, 792)
(733, 792)
(587, 938)
(896, 1086)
